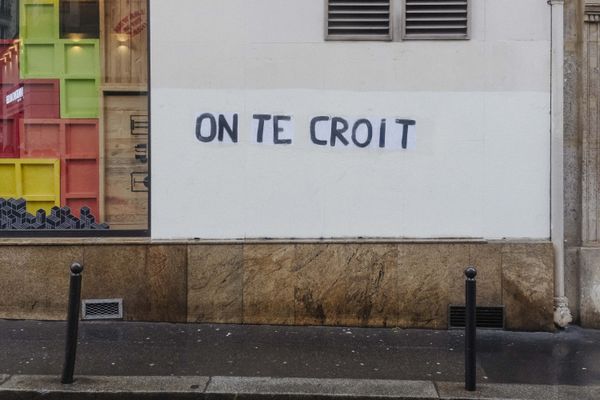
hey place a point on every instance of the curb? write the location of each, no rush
(47, 387)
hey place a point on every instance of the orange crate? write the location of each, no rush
(76, 143)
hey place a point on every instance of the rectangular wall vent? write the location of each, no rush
(486, 317)
(436, 19)
(358, 20)
(102, 309)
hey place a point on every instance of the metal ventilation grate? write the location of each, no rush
(486, 317)
(436, 19)
(359, 19)
(103, 309)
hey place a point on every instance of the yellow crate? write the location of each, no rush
(35, 180)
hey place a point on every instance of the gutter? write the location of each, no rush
(562, 315)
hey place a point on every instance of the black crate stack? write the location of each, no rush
(14, 216)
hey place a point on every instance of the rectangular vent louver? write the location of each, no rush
(486, 317)
(102, 309)
(358, 19)
(436, 19)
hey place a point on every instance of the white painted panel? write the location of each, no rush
(481, 163)
(527, 20)
(456, 182)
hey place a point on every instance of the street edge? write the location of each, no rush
(25, 387)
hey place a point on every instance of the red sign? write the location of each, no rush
(132, 24)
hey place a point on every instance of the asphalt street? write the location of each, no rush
(569, 357)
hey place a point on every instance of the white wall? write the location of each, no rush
(481, 166)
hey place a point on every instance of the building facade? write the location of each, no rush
(313, 162)
(581, 158)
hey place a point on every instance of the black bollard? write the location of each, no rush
(470, 328)
(72, 323)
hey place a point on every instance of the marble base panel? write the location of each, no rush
(34, 281)
(408, 285)
(590, 287)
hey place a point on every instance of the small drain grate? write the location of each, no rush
(486, 317)
(103, 309)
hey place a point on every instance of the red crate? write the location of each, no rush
(76, 143)
(40, 99)
(9, 63)
(9, 137)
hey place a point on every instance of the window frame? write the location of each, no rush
(8, 235)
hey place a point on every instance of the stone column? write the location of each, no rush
(589, 267)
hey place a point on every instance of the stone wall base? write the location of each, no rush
(589, 287)
(394, 284)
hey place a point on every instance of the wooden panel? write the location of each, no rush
(124, 209)
(125, 35)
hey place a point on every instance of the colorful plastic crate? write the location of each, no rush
(40, 59)
(76, 144)
(60, 58)
(40, 99)
(80, 58)
(76, 62)
(36, 180)
(39, 20)
(79, 98)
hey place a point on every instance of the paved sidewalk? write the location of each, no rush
(262, 360)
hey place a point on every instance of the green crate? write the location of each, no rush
(39, 20)
(80, 58)
(40, 60)
(60, 59)
(79, 97)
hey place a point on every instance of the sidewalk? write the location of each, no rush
(189, 361)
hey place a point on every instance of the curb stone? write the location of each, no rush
(48, 387)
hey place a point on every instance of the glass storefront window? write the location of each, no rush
(74, 124)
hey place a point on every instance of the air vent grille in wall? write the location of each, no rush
(358, 19)
(103, 309)
(486, 317)
(436, 19)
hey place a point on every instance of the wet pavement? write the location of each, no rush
(570, 357)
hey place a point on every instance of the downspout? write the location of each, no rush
(562, 315)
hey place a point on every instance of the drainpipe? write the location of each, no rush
(562, 315)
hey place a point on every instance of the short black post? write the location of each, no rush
(72, 323)
(470, 328)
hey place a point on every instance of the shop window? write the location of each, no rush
(359, 20)
(436, 19)
(74, 121)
